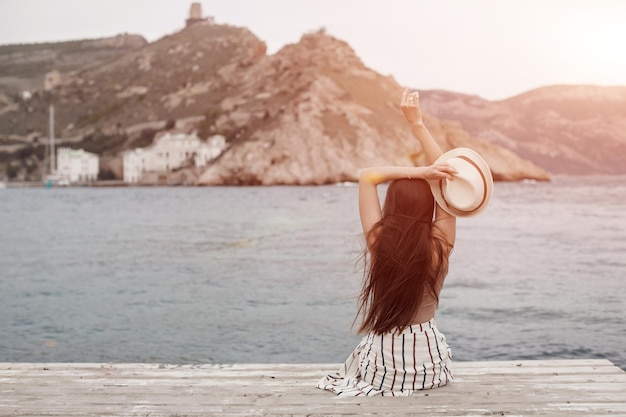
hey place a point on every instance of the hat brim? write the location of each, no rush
(481, 166)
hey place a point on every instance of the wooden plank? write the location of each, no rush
(243, 380)
(559, 388)
(295, 366)
(294, 372)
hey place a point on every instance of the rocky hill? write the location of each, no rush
(310, 114)
(565, 129)
(24, 66)
(313, 113)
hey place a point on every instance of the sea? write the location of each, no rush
(271, 274)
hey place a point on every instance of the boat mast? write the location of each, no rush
(52, 161)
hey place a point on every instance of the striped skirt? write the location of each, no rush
(394, 363)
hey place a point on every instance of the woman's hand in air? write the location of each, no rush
(439, 172)
(409, 103)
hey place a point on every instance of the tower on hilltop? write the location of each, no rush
(195, 15)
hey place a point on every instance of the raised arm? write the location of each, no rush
(445, 224)
(409, 104)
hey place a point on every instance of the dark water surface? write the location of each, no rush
(197, 275)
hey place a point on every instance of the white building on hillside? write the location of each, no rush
(77, 165)
(170, 151)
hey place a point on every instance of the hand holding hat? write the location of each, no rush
(470, 190)
(461, 183)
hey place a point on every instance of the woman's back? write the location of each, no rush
(407, 261)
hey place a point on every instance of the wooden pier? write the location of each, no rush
(512, 388)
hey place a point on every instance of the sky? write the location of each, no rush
(492, 48)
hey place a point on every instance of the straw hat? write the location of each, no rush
(469, 192)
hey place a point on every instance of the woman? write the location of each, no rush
(408, 245)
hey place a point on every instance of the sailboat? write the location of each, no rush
(53, 178)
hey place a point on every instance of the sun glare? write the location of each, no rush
(606, 46)
(601, 43)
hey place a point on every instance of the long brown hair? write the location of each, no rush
(404, 262)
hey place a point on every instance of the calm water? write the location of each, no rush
(197, 275)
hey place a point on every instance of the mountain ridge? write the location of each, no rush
(567, 129)
(311, 113)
